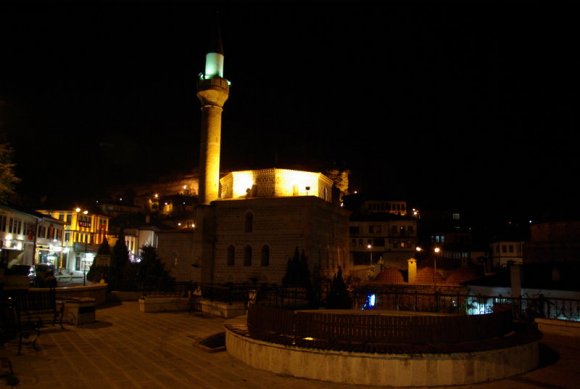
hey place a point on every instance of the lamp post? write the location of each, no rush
(85, 266)
(437, 250)
(370, 247)
(85, 239)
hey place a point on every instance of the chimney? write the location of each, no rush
(412, 266)
(516, 280)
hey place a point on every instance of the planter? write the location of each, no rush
(221, 309)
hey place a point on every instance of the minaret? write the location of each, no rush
(212, 91)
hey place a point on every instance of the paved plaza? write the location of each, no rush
(126, 348)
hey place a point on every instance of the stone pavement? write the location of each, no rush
(126, 348)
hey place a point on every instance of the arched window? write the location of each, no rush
(265, 256)
(231, 256)
(249, 222)
(248, 256)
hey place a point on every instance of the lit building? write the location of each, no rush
(506, 252)
(29, 237)
(84, 231)
(382, 235)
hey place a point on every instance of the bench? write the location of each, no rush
(34, 308)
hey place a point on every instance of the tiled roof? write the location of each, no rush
(390, 275)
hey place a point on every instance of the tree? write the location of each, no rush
(119, 265)
(151, 272)
(7, 177)
(297, 273)
(338, 296)
(97, 271)
(298, 276)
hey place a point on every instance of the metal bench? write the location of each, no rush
(34, 308)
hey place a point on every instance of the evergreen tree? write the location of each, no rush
(96, 272)
(151, 272)
(298, 276)
(119, 264)
(294, 271)
(338, 296)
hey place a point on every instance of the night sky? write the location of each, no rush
(442, 103)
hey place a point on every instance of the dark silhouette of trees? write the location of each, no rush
(7, 177)
(338, 296)
(297, 272)
(96, 272)
(298, 277)
(151, 273)
(118, 276)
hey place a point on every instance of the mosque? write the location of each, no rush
(248, 224)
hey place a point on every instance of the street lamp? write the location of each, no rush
(370, 247)
(437, 250)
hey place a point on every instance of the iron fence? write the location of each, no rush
(448, 300)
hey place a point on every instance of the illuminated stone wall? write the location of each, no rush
(275, 183)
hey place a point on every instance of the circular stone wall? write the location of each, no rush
(401, 364)
(458, 368)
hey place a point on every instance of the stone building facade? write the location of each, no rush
(255, 238)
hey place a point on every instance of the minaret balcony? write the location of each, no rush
(213, 83)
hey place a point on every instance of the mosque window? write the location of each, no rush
(265, 256)
(231, 256)
(248, 256)
(249, 222)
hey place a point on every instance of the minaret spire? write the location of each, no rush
(212, 91)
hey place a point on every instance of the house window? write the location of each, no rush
(249, 222)
(247, 256)
(265, 256)
(231, 256)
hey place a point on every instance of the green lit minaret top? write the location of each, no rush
(214, 59)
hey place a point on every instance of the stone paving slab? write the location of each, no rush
(126, 348)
